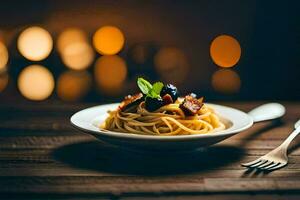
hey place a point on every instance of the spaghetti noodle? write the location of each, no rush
(169, 119)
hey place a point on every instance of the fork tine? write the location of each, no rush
(251, 163)
(271, 166)
(277, 166)
(258, 164)
(266, 164)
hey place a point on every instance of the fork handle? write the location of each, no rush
(288, 140)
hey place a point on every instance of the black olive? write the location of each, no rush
(153, 104)
(171, 90)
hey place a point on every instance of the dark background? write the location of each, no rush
(268, 32)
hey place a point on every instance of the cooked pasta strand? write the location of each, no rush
(167, 120)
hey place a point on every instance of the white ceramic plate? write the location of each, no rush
(88, 120)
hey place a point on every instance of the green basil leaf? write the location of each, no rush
(153, 94)
(144, 85)
(157, 87)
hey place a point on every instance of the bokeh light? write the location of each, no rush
(69, 36)
(35, 43)
(3, 81)
(171, 64)
(226, 81)
(3, 57)
(110, 74)
(225, 51)
(108, 40)
(74, 48)
(36, 82)
(78, 56)
(73, 85)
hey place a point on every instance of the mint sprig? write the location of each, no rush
(144, 85)
(149, 90)
(157, 87)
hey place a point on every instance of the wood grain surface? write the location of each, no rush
(41, 155)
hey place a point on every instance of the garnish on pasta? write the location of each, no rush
(158, 110)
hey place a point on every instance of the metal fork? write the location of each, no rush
(277, 158)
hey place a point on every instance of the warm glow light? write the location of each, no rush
(108, 40)
(226, 81)
(36, 82)
(69, 36)
(78, 56)
(110, 73)
(73, 85)
(171, 64)
(3, 81)
(3, 57)
(75, 51)
(225, 51)
(35, 43)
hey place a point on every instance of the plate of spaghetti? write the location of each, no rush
(157, 118)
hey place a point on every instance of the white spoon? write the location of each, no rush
(267, 112)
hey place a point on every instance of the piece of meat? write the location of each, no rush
(167, 99)
(191, 105)
(131, 101)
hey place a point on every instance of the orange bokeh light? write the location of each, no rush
(3, 57)
(35, 43)
(73, 85)
(225, 51)
(226, 81)
(69, 36)
(171, 64)
(108, 40)
(36, 82)
(74, 48)
(110, 73)
(78, 56)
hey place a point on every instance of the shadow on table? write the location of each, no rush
(100, 156)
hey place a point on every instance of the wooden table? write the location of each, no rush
(41, 155)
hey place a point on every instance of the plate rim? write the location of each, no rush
(120, 135)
